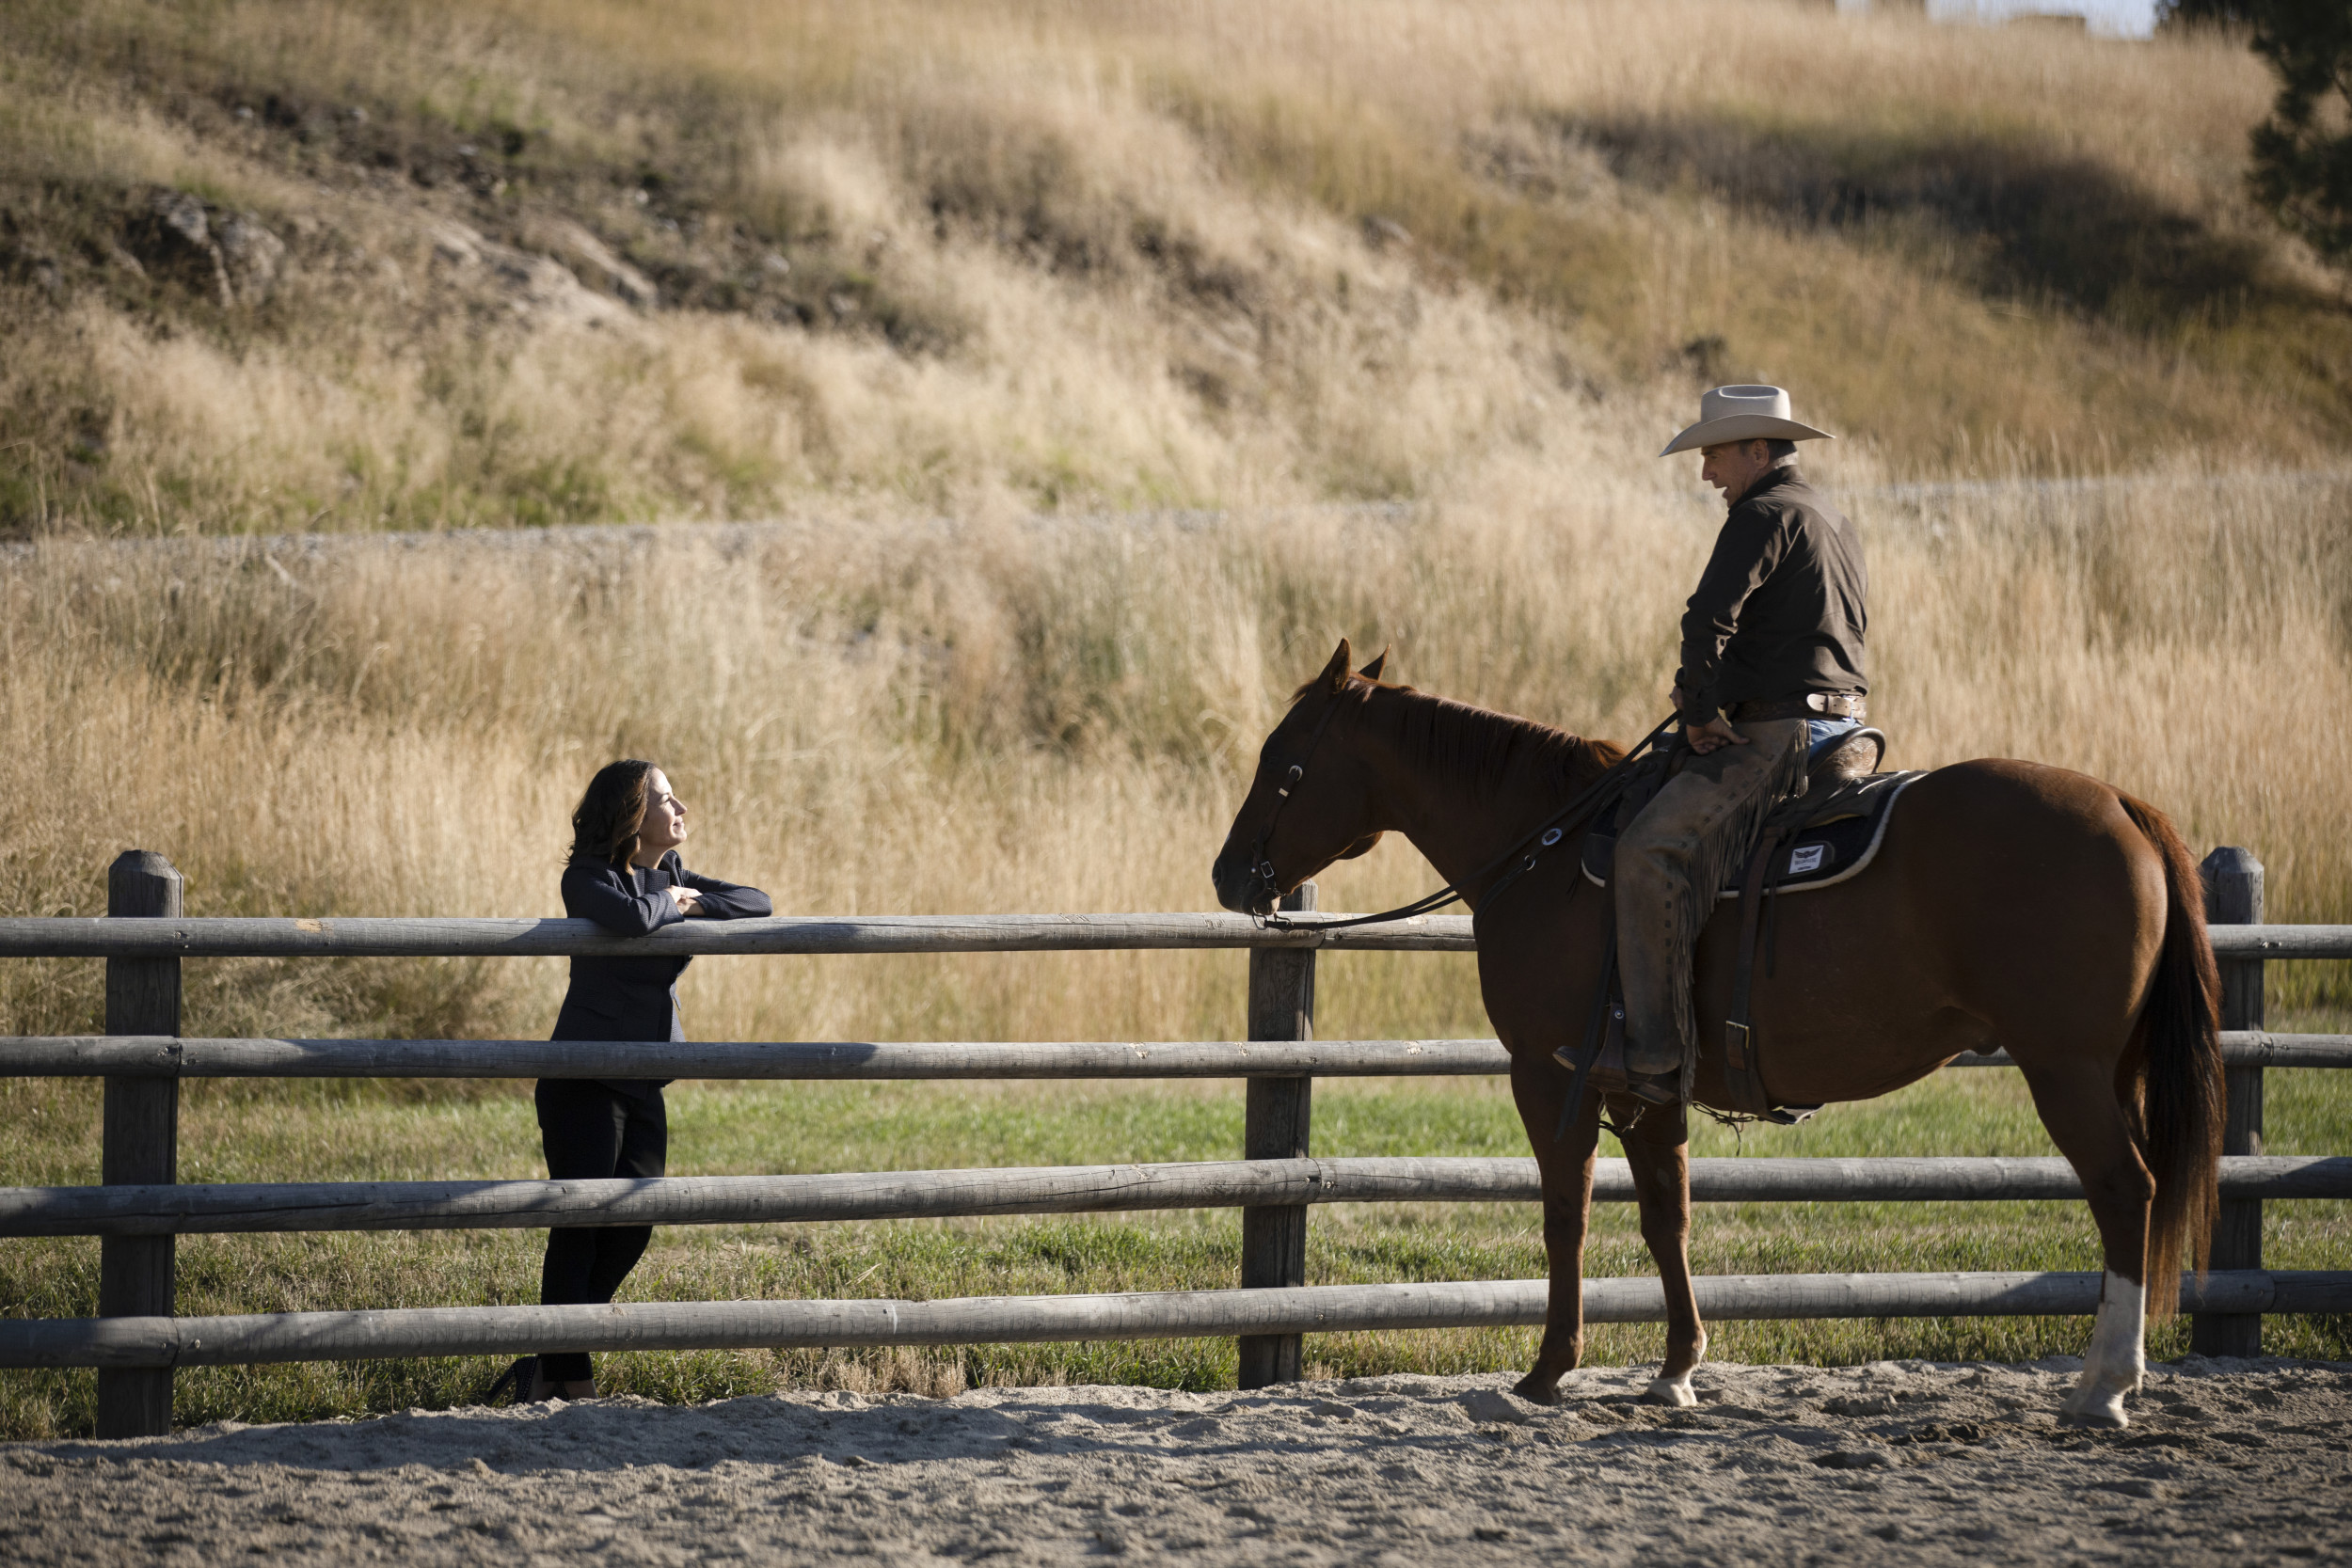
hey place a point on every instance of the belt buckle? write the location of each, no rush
(1817, 701)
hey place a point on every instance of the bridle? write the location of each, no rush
(1262, 878)
(1542, 836)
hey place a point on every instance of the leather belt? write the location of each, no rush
(1813, 704)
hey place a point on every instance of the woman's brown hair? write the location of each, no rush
(606, 823)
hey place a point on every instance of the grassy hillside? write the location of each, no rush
(380, 264)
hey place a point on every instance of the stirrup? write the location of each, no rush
(1655, 1089)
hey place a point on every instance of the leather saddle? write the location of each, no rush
(1825, 834)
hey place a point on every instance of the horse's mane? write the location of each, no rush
(1486, 749)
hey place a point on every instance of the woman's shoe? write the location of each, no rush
(516, 1385)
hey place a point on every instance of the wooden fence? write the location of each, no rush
(135, 1340)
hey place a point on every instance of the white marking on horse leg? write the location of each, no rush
(1675, 1391)
(2117, 1358)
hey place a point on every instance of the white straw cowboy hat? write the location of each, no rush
(1743, 414)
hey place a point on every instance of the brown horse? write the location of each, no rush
(2010, 906)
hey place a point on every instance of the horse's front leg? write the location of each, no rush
(1658, 1150)
(1568, 1187)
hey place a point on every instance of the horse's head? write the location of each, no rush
(1310, 803)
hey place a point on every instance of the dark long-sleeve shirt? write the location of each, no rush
(636, 998)
(1779, 609)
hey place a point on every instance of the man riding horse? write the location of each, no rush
(2078, 948)
(1771, 676)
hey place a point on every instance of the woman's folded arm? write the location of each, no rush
(723, 900)
(611, 898)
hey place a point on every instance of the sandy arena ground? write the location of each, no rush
(1897, 1463)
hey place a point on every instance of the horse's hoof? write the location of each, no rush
(1537, 1389)
(1671, 1391)
(2093, 1410)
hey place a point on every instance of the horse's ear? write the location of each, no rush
(1372, 672)
(1334, 676)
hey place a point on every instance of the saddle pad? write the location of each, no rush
(1840, 834)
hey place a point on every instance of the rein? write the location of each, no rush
(1543, 835)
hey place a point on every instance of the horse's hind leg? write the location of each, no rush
(2077, 1101)
(1658, 1150)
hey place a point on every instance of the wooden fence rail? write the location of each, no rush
(436, 937)
(139, 1212)
(225, 1207)
(165, 1342)
(163, 1056)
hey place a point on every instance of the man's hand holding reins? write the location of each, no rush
(1717, 732)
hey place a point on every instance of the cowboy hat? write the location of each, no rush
(1743, 414)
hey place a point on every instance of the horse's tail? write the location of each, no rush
(2183, 1095)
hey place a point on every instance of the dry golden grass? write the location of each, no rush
(1054, 715)
(1040, 254)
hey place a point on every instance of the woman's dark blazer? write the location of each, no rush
(635, 999)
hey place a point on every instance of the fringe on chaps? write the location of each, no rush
(1703, 825)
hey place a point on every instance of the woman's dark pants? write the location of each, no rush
(592, 1132)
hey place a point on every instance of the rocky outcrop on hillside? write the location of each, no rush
(407, 203)
(172, 249)
(538, 288)
(232, 258)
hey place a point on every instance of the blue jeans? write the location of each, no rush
(1820, 733)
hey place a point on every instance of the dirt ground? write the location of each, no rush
(2225, 1462)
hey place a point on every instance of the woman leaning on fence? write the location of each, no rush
(625, 875)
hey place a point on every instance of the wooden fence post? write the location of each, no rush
(2233, 897)
(141, 1148)
(1273, 1239)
